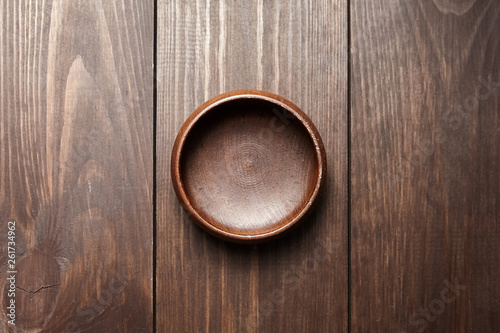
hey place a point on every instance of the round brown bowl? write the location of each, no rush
(248, 165)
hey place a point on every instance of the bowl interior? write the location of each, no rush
(248, 166)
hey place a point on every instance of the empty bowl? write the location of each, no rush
(248, 165)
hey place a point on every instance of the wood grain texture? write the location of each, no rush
(297, 49)
(76, 163)
(425, 166)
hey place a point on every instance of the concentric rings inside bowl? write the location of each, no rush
(248, 166)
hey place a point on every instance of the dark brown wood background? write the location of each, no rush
(76, 167)
(404, 93)
(299, 51)
(425, 166)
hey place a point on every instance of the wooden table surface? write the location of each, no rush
(405, 94)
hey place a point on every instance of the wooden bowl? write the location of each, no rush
(248, 165)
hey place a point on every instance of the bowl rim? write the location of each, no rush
(207, 107)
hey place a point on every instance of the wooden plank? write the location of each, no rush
(296, 49)
(425, 166)
(76, 164)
